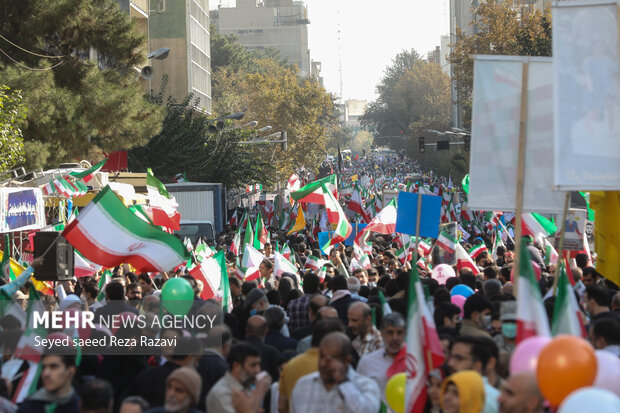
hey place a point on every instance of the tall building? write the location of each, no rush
(183, 27)
(277, 24)
(353, 109)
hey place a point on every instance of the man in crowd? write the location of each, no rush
(255, 333)
(243, 373)
(375, 365)
(336, 386)
(56, 375)
(476, 316)
(182, 392)
(298, 309)
(134, 294)
(146, 284)
(367, 337)
(266, 275)
(520, 394)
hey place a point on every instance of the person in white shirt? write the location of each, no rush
(336, 387)
(374, 365)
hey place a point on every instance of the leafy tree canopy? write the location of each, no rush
(12, 117)
(77, 105)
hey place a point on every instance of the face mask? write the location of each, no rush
(372, 284)
(486, 322)
(253, 311)
(509, 330)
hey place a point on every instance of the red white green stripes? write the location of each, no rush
(336, 217)
(463, 260)
(108, 233)
(446, 242)
(477, 250)
(313, 192)
(531, 314)
(566, 314)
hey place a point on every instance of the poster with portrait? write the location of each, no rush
(21, 209)
(587, 95)
(575, 229)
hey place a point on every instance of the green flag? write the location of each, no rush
(7, 271)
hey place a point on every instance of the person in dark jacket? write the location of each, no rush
(341, 298)
(57, 376)
(255, 332)
(275, 319)
(115, 302)
(182, 392)
(212, 365)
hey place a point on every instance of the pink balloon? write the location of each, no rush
(537, 272)
(459, 301)
(525, 356)
(608, 372)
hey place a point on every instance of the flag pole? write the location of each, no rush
(506, 230)
(521, 169)
(417, 228)
(561, 242)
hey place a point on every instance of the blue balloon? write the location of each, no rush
(462, 289)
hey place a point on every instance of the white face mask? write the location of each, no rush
(486, 322)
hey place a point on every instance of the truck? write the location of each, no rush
(202, 207)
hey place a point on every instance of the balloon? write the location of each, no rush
(564, 365)
(177, 296)
(525, 355)
(459, 301)
(463, 290)
(608, 372)
(590, 400)
(442, 272)
(395, 392)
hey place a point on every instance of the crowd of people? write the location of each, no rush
(299, 343)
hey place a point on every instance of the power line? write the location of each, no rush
(28, 51)
(28, 67)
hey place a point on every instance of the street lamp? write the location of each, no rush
(220, 122)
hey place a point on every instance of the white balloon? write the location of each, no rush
(608, 372)
(590, 400)
(442, 272)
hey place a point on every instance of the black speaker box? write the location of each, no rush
(58, 262)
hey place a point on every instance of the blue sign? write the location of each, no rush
(324, 238)
(407, 213)
(357, 228)
(22, 209)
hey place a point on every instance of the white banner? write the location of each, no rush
(587, 101)
(495, 136)
(21, 209)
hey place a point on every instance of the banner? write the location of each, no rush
(495, 136)
(406, 214)
(575, 229)
(587, 101)
(21, 209)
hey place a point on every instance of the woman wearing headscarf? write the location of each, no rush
(462, 392)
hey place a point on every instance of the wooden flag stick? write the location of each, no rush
(521, 169)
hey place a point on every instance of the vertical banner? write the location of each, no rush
(574, 230)
(21, 209)
(495, 136)
(587, 95)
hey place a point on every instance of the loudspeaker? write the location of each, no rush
(58, 263)
(146, 72)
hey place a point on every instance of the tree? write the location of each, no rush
(275, 95)
(76, 106)
(362, 142)
(339, 135)
(509, 27)
(185, 145)
(12, 117)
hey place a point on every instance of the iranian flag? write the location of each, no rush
(48, 189)
(236, 242)
(356, 204)
(566, 314)
(83, 267)
(286, 251)
(314, 263)
(282, 265)
(535, 224)
(551, 255)
(211, 272)
(248, 238)
(251, 257)
(531, 314)
(260, 235)
(446, 242)
(336, 217)
(497, 242)
(424, 352)
(88, 174)
(313, 192)
(108, 233)
(383, 223)
(163, 205)
(463, 260)
(477, 250)
(293, 184)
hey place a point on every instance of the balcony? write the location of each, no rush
(140, 6)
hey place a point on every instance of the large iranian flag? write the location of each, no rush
(211, 273)
(566, 314)
(535, 224)
(313, 192)
(531, 314)
(383, 223)
(336, 217)
(424, 351)
(109, 234)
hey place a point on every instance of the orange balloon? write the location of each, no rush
(565, 364)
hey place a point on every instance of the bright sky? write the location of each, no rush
(372, 33)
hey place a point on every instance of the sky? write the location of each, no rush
(372, 33)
